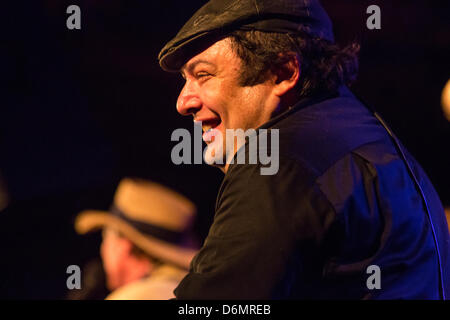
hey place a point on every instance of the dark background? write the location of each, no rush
(80, 109)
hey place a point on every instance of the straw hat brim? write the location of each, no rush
(91, 220)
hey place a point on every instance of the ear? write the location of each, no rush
(125, 246)
(287, 74)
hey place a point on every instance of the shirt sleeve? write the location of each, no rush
(263, 236)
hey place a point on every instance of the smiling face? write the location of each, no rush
(212, 94)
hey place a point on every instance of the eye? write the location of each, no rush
(202, 74)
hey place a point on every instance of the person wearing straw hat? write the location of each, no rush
(147, 242)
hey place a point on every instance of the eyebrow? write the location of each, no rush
(190, 68)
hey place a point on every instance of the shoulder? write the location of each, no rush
(320, 134)
(158, 286)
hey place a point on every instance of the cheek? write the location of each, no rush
(104, 252)
(256, 102)
(244, 108)
(211, 94)
(227, 101)
(109, 258)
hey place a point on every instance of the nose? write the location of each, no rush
(188, 101)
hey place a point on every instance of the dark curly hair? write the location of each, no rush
(324, 65)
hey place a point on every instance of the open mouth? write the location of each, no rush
(210, 124)
(208, 127)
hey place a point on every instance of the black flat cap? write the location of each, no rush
(217, 18)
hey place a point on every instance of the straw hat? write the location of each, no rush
(155, 218)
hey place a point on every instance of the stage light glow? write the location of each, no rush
(445, 100)
(447, 213)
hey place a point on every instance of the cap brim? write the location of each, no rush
(91, 220)
(174, 55)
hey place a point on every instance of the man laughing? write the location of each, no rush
(346, 196)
